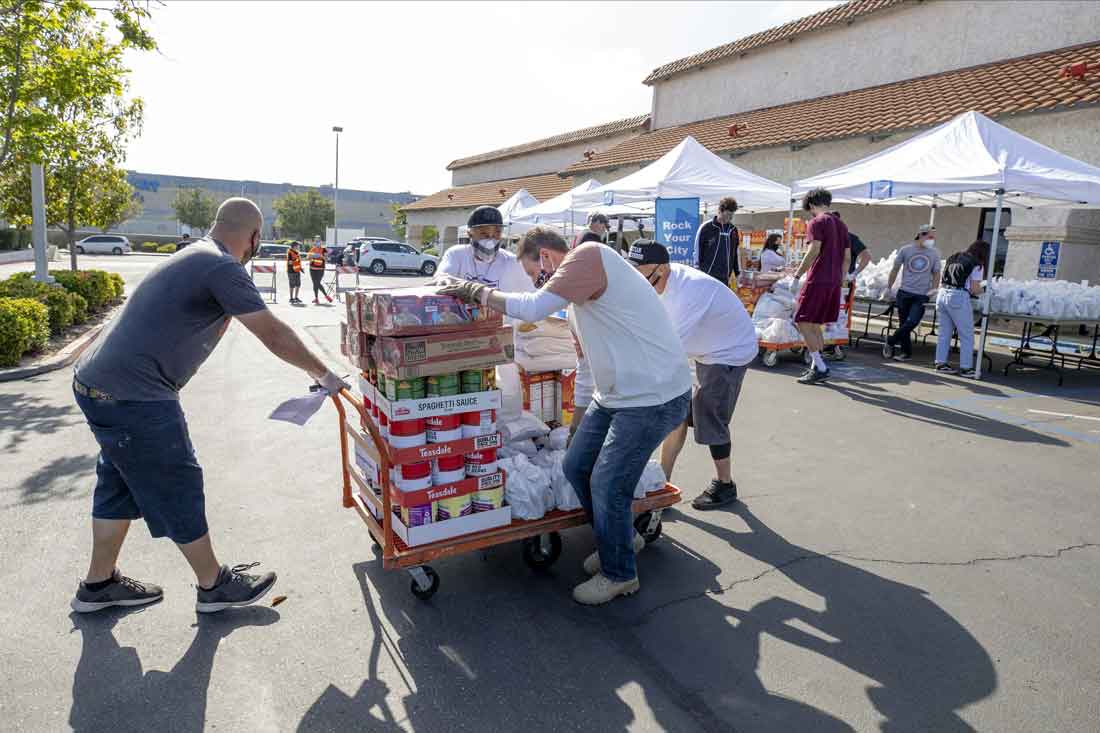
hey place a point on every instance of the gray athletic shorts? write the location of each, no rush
(712, 402)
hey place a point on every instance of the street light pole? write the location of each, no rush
(336, 190)
(38, 225)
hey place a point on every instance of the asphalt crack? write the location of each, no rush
(838, 554)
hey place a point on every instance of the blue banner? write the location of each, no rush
(1048, 260)
(676, 221)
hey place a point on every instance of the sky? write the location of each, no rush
(251, 90)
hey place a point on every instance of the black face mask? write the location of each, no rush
(255, 249)
(654, 277)
(542, 279)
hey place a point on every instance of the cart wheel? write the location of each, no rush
(538, 557)
(641, 525)
(426, 593)
(887, 351)
(771, 358)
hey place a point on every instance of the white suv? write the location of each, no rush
(378, 256)
(103, 244)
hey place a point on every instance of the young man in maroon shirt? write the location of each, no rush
(825, 264)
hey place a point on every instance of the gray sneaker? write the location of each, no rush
(122, 591)
(235, 587)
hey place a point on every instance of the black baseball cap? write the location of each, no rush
(647, 252)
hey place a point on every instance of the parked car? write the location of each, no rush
(104, 244)
(378, 256)
(272, 251)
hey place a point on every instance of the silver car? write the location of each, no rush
(379, 256)
(104, 244)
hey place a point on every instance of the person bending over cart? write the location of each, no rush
(962, 278)
(920, 276)
(697, 305)
(642, 386)
(127, 384)
(825, 265)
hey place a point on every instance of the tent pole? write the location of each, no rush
(932, 216)
(988, 298)
(790, 234)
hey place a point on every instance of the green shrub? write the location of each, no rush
(429, 251)
(80, 308)
(14, 239)
(149, 246)
(166, 249)
(24, 326)
(119, 286)
(59, 302)
(95, 285)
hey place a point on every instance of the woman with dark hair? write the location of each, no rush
(770, 259)
(962, 279)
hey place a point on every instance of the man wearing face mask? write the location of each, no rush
(483, 260)
(642, 386)
(920, 266)
(127, 384)
(716, 243)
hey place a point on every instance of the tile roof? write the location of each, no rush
(565, 138)
(1022, 85)
(846, 13)
(493, 193)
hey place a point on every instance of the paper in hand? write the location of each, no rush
(299, 410)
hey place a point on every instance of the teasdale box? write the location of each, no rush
(443, 353)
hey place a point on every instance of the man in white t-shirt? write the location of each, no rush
(642, 386)
(718, 335)
(483, 260)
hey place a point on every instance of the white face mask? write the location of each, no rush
(486, 249)
(929, 243)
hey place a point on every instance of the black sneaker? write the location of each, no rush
(946, 369)
(718, 494)
(813, 376)
(121, 591)
(967, 373)
(234, 588)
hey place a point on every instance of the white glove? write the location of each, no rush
(332, 383)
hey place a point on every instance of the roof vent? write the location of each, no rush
(1079, 70)
(450, 197)
(589, 154)
(735, 130)
(503, 191)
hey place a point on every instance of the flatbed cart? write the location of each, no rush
(769, 351)
(541, 540)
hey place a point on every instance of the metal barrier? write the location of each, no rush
(352, 270)
(265, 270)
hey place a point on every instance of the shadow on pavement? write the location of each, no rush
(112, 692)
(925, 666)
(934, 415)
(24, 417)
(55, 480)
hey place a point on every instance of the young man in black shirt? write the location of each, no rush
(716, 243)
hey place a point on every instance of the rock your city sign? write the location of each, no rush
(676, 222)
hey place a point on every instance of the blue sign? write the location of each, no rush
(677, 220)
(880, 190)
(1048, 260)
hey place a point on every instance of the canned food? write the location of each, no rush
(458, 506)
(488, 499)
(477, 380)
(413, 476)
(407, 433)
(442, 385)
(442, 428)
(415, 516)
(479, 422)
(481, 463)
(448, 470)
(406, 389)
(383, 425)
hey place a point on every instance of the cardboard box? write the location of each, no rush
(437, 531)
(433, 406)
(431, 451)
(446, 491)
(443, 353)
(541, 394)
(415, 311)
(567, 386)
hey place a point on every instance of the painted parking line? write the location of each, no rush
(992, 408)
(1065, 414)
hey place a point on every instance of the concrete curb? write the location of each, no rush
(60, 360)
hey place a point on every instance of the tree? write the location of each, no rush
(64, 106)
(399, 222)
(428, 235)
(304, 214)
(195, 208)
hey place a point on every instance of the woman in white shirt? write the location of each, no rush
(770, 259)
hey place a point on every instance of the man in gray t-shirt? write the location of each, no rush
(127, 385)
(920, 266)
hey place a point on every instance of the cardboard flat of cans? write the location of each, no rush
(443, 353)
(416, 310)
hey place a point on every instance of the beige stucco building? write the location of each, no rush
(834, 87)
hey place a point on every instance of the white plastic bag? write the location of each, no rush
(653, 479)
(511, 393)
(565, 497)
(558, 438)
(525, 447)
(525, 427)
(527, 488)
(772, 306)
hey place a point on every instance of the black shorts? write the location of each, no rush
(295, 279)
(713, 401)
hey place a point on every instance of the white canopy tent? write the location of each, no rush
(521, 199)
(968, 161)
(689, 170)
(560, 210)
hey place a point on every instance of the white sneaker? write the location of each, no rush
(600, 589)
(592, 562)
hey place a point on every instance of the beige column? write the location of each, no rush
(1076, 230)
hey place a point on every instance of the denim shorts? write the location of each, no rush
(147, 467)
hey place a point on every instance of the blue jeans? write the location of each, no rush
(605, 461)
(910, 307)
(954, 313)
(147, 467)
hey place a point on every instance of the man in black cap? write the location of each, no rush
(696, 304)
(483, 260)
